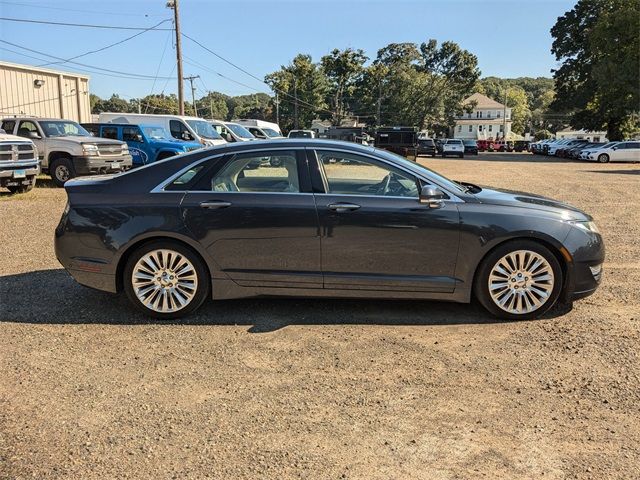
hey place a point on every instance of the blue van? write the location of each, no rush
(147, 143)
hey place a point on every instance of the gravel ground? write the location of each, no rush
(323, 389)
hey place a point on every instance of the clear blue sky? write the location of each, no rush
(510, 38)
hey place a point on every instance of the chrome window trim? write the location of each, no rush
(160, 188)
(452, 197)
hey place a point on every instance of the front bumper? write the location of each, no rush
(585, 271)
(87, 165)
(8, 172)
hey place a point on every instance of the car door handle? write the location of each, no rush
(343, 207)
(214, 204)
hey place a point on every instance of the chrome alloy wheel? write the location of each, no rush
(164, 281)
(521, 282)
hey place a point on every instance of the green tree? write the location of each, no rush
(343, 69)
(113, 104)
(256, 105)
(302, 80)
(162, 104)
(213, 105)
(598, 43)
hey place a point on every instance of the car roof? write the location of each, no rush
(290, 143)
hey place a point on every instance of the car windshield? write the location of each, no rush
(437, 178)
(270, 132)
(61, 128)
(156, 133)
(239, 130)
(204, 129)
(609, 145)
(471, 143)
(299, 134)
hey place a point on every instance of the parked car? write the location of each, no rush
(521, 146)
(470, 147)
(620, 152)
(199, 225)
(563, 151)
(400, 140)
(147, 143)
(270, 129)
(263, 133)
(302, 134)
(19, 164)
(584, 154)
(575, 152)
(67, 150)
(483, 145)
(232, 132)
(453, 146)
(501, 146)
(179, 127)
(426, 146)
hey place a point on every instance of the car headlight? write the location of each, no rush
(589, 226)
(90, 149)
(125, 148)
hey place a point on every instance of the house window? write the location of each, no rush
(479, 128)
(459, 128)
(489, 114)
(502, 128)
(480, 114)
(498, 114)
(471, 128)
(491, 128)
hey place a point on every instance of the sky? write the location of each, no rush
(510, 37)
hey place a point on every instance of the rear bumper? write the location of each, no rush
(95, 164)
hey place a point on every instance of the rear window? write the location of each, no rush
(454, 142)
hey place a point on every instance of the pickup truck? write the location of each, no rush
(400, 140)
(67, 150)
(19, 164)
(147, 143)
(453, 147)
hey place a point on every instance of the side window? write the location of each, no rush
(184, 179)
(110, 132)
(26, 127)
(179, 131)
(8, 126)
(634, 145)
(349, 174)
(131, 134)
(275, 172)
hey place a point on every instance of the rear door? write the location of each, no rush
(258, 222)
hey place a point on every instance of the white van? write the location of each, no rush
(232, 132)
(180, 127)
(261, 128)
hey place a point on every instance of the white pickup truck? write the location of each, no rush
(453, 147)
(19, 164)
(67, 150)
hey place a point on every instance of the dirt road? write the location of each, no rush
(323, 389)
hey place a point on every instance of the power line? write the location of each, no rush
(127, 74)
(74, 9)
(166, 43)
(85, 25)
(108, 46)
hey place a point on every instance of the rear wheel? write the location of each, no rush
(603, 158)
(519, 280)
(166, 280)
(61, 170)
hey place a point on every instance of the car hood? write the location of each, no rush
(87, 139)
(511, 198)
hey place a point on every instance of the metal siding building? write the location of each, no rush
(42, 92)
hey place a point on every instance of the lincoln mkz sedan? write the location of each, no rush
(319, 218)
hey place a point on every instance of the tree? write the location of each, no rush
(113, 104)
(301, 84)
(213, 105)
(256, 105)
(161, 103)
(343, 70)
(598, 43)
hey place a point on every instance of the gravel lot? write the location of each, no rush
(323, 389)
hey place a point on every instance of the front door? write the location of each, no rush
(376, 234)
(258, 221)
(26, 129)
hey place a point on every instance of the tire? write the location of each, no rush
(518, 305)
(23, 188)
(603, 158)
(61, 171)
(461, 155)
(193, 290)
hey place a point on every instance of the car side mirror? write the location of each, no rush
(139, 138)
(186, 136)
(432, 196)
(34, 135)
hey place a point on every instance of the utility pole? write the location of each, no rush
(295, 94)
(378, 112)
(173, 4)
(193, 94)
(504, 120)
(277, 109)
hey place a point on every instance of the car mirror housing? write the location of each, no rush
(432, 196)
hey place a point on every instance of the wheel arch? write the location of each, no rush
(134, 245)
(552, 245)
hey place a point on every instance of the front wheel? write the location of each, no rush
(165, 280)
(61, 171)
(519, 280)
(603, 158)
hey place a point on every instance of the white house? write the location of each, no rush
(572, 134)
(489, 120)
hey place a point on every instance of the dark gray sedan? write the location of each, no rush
(311, 218)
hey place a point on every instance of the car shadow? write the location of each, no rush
(619, 172)
(53, 297)
(505, 157)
